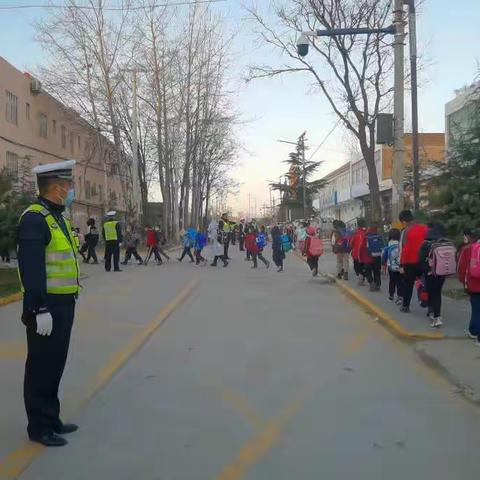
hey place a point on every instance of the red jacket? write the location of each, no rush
(363, 255)
(356, 242)
(412, 239)
(472, 285)
(151, 238)
(251, 243)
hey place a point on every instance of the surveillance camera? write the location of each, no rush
(302, 45)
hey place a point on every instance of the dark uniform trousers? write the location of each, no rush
(44, 368)
(112, 249)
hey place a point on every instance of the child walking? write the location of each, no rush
(391, 262)
(188, 243)
(313, 249)
(437, 260)
(469, 276)
(277, 247)
(200, 242)
(255, 244)
(371, 256)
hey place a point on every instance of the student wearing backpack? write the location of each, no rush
(469, 276)
(313, 249)
(391, 262)
(255, 243)
(188, 243)
(340, 247)
(437, 259)
(411, 239)
(371, 257)
(355, 243)
(278, 247)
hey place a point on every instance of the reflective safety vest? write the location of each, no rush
(76, 240)
(110, 228)
(226, 226)
(61, 262)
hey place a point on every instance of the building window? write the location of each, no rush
(12, 166)
(54, 127)
(79, 142)
(43, 125)
(100, 193)
(87, 189)
(27, 111)
(64, 136)
(72, 142)
(11, 110)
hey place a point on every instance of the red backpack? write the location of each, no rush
(474, 266)
(315, 248)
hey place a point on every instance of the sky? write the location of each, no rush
(282, 108)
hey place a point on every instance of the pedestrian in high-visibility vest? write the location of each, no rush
(112, 234)
(49, 274)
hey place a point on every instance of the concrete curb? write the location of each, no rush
(12, 298)
(379, 313)
(383, 316)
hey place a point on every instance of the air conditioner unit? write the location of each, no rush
(35, 86)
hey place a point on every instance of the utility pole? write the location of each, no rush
(398, 168)
(412, 30)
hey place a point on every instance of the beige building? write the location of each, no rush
(35, 128)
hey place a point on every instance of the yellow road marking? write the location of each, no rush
(240, 404)
(257, 447)
(17, 461)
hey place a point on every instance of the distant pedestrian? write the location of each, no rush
(356, 242)
(152, 246)
(216, 247)
(161, 242)
(411, 239)
(188, 243)
(437, 260)
(313, 249)
(469, 276)
(241, 236)
(278, 254)
(112, 234)
(391, 263)
(255, 243)
(200, 242)
(341, 248)
(375, 246)
(132, 240)
(301, 236)
(91, 239)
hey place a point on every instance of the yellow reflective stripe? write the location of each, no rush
(61, 270)
(61, 282)
(58, 256)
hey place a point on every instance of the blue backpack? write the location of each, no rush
(393, 260)
(286, 243)
(261, 241)
(375, 244)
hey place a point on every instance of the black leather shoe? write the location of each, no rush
(66, 428)
(50, 440)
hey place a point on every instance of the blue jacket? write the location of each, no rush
(200, 241)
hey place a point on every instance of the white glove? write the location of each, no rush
(44, 324)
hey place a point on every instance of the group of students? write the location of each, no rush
(418, 256)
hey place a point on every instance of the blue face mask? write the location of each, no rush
(69, 198)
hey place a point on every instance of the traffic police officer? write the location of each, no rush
(112, 234)
(49, 274)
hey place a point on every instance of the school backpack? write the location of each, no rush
(375, 244)
(342, 244)
(474, 267)
(315, 248)
(393, 260)
(286, 243)
(442, 258)
(261, 241)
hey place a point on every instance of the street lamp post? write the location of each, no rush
(397, 29)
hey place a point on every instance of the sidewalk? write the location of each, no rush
(447, 349)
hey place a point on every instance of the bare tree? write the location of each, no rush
(357, 79)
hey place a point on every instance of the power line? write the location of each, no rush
(324, 140)
(109, 9)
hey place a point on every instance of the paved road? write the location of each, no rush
(263, 375)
